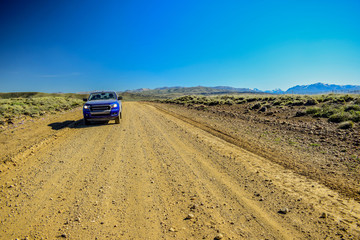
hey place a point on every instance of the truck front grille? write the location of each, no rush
(96, 108)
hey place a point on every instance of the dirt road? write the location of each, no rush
(155, 176)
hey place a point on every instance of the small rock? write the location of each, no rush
(218, 237)
(283, 211)
(190, 216)
(63, 235)
(172, 229)
(193, 207)
(324, 215)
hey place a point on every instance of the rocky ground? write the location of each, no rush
(310, 146)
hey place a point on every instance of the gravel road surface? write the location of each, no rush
(154, 176)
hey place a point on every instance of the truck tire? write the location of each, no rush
(86, 122)
(117, 120)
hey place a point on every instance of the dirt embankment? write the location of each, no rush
(155, 176)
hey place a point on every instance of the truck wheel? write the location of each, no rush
(117, 120)
(120, 115)
(86, 122)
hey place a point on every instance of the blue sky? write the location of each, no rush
(72, 46)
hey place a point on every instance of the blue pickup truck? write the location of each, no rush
(102, 106)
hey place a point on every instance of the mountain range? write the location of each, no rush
(317, 88)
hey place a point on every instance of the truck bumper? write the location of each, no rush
(100, 117)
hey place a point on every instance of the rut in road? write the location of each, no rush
(155, 176)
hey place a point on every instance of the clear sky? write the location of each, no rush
(72, 46)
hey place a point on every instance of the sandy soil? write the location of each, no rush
(155, 176)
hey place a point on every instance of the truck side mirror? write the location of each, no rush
(119, 97)
(85, 99)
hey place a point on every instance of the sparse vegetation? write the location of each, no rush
(16, 107)
(336, 108)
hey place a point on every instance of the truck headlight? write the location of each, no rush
(114, 105)
(86, 106)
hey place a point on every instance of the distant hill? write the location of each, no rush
(138, 90)
(172, 92)
(39, 94)
(169, 92)
(323, 88)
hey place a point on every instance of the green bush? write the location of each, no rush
(311, 102)
(340, 117)
(312, 110)
(352, 107)
(355, 116)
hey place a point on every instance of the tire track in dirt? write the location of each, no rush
(204, 173)
(314, 195)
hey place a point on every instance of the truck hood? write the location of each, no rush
(100, 102)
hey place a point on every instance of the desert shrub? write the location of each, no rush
(352, 107)
(226, 97)
(297, 103)
(329, 98)
(229, 102)
(240, 101)
(239, 98)
(214, 102)
(339, 117)
(256, 106)
(277, 103)
(201, 107)
(4, 107)
(347, 98)
(327, 110)
(355, 116)
(312, 110)
(339, 100)
(346, 125)
(311, 102)
(286, 98)
(252, 99)
(10, 108)
(320, 99)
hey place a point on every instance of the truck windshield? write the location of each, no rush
(102, 96)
